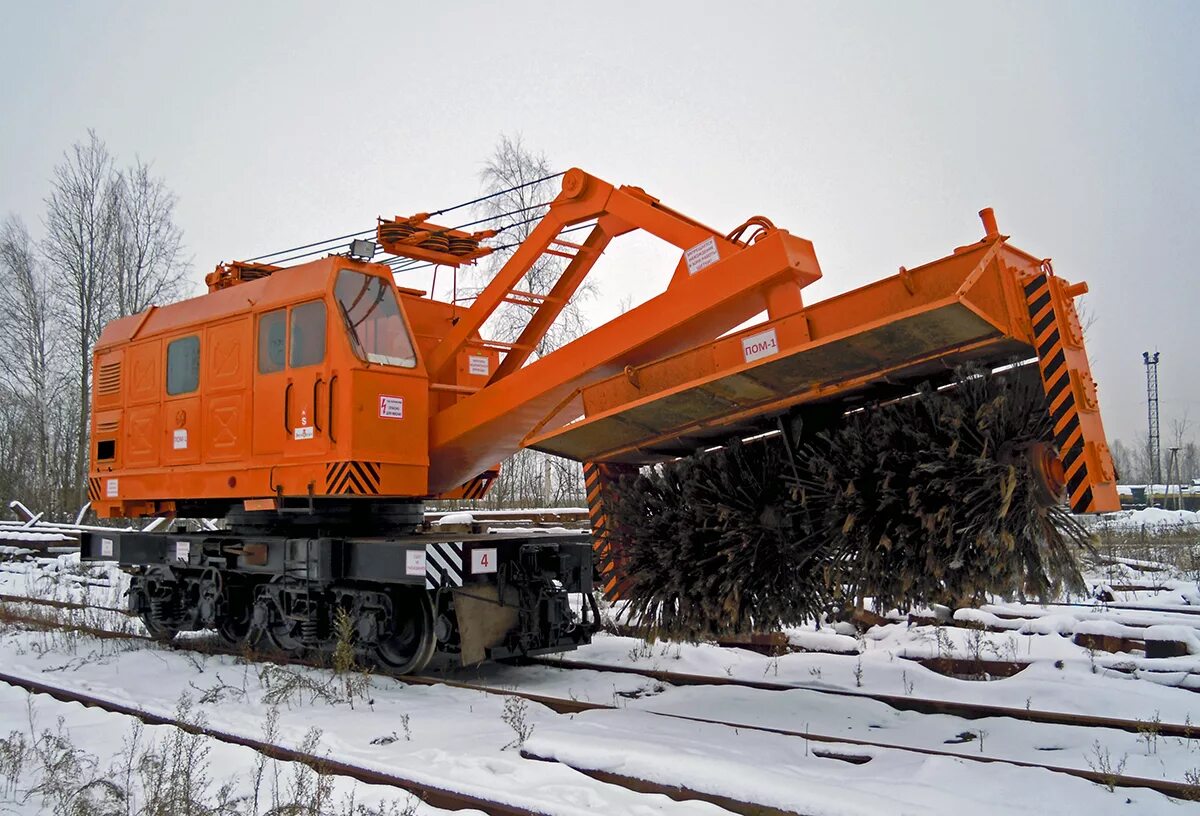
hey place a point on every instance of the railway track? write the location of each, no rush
(967, 710)
(921, 705)
(430, 794)
(838, 746)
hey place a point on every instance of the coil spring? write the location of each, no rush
(161, 608)
(308, 630)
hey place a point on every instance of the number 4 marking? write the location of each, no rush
(483, 560)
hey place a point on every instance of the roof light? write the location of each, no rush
(362, 249)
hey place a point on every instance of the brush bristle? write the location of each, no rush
(927, 499)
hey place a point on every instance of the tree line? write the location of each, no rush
(107, 246)
(1135, 463)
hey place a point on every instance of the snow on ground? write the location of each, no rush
(447, 737)
(65, 578)
(1149, 517)
(784, 772)
(468, 740)
(70, 746)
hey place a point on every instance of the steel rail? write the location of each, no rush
(429, 794)
(922, 705)
(74, 605)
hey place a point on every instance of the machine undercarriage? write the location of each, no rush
(301, 586)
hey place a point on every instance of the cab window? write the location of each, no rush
(307, 337)
(372, 316)
(272, 341)
(183, 365)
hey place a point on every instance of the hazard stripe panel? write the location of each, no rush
(353, 478)
(93, 489)
(1071, 394)
(600, 481)
(477, 487)
(444, 565)
(474, 488)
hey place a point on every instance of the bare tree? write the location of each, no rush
(1123, 461)
(80, 245)
(516, 212)
(1180, 429)
(150, 267)
(28, 348)
(1189, 462)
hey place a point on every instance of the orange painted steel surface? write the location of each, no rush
(325, 379)
(981, 304)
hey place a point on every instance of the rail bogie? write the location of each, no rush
(396, 601)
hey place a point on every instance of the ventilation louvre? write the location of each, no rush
(108, 379)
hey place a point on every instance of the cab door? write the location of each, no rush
(270, 382)
(305, 408)
(182, 440)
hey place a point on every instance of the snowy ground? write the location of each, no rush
(71, 755)
(471, 741)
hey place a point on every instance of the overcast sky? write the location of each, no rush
(876, 131)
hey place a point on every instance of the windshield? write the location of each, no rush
(372, 315)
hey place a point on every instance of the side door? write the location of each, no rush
(226, 375)
(270, 382)
(306, 390)
(182, 419)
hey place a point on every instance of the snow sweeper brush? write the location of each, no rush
(939, 497)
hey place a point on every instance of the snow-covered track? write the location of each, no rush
(923, 705)
(841, 747)
(845, 752)
(56, 604)
(431, 795)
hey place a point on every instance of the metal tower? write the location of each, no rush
(1152, 415)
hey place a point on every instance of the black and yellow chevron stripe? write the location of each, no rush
(354, 478)
(599, 481)
(93, 489)
(1057, 375)
(475, 488)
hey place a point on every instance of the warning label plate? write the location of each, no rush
(701, 255)
(414, 562)
(391, 407)
(479, 366)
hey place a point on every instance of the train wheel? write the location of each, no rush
(234, 630)
(157, 629)
(412, 642)
(282, 636)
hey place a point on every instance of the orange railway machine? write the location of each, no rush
(316, 407)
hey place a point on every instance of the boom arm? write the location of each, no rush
(718, 283)
(656, 382)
